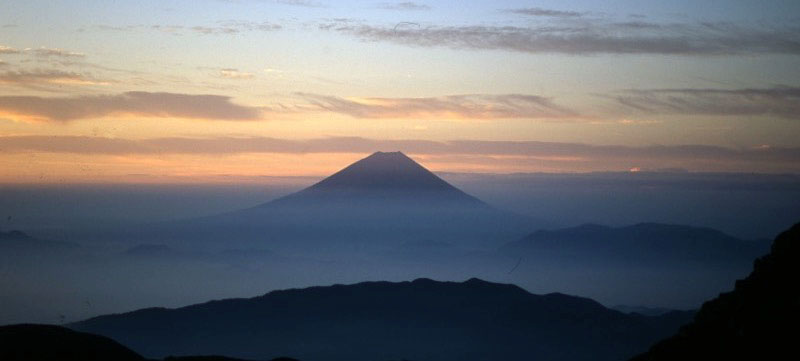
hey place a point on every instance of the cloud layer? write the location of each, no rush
(147, 104)
(781, 102)
(37, 79)
(588, 37)
(233, 145)
(469, 106)
(545, 12)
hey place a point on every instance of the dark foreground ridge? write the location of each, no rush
(419, 320)
(756, 321)
(27, 342)
(45, 342)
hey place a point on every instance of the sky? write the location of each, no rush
(240, 90)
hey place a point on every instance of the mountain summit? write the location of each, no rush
(384, 170)
(391, 177)
(380, 201)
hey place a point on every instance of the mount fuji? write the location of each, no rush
(374, 204)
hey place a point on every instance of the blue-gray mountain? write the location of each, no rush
(377, 202)
(419, 320)
(650, 244)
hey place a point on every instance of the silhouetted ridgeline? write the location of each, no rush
(758, 320)
(47, 343)
(28, 342)
(419, 320)
(21, 241)
(644, 243)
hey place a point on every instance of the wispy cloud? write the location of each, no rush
(230, 73)
(589, 36)
(782, 102)
(54, 52)
(82, 144)
(303, 3)
(583, 156)
(38, 78)
(404, 6)
(145, 104)
(471, 106)
(8, 50)
(221, 28)
(545, 12)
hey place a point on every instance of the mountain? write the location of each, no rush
(419, 320)
(30, 342)
(18, 241)
(643, 244)
(46, 342)
(756, 321)
(375, 203)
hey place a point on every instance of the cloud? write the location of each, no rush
(214, 30)
(230, 73)
(588, 36)
(38, 78)
(560, 155)
(8, 50)
(781, 102)
(470, 106)
(53, 52)
(221, 28)
(546, 12)
(143, 104)
(405, 6)
(303, 3)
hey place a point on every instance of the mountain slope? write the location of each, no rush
(756, 321)
(380, 201)
(32, 342)
(644, 243)
(423, 319)
(45, 343)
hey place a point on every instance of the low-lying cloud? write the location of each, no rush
(234, 145)
(545, 12)
(54, 52)
(404, 6)
(589, 37)
(146, 104)
(470, 106)
(780, 102)
(38, 78)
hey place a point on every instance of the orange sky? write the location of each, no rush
(236, 91)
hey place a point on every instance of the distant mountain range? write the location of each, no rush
(419, 320)
(380, 201)
(756, 321)
(640, 244)
(21, 241)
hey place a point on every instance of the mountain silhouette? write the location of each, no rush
(45, 342)
(30, 342)
(377, 202)
(18, 241)
(645, 243)
(419, 320)
(387, 172)
(756, 321)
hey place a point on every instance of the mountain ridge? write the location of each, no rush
(419, 319)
